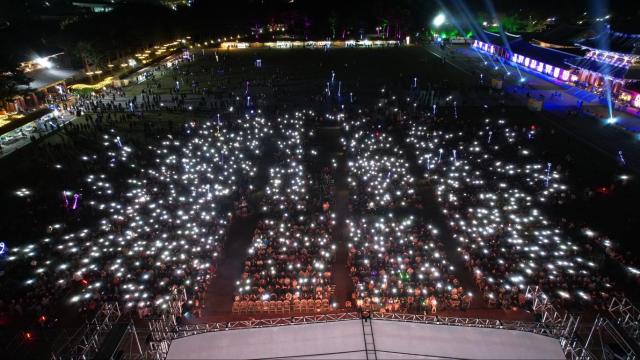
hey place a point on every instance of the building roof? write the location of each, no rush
(618, 72)
(613, 41)
(519, 45)
(563, 34)
(27, 118)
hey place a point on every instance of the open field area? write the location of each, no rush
(343, 178)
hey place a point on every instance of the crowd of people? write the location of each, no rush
(492, 190)
(380, 176)
(164, 228)
(211, 162)
(397, 262)
(292, 252)
(400, 265)
(158, 246)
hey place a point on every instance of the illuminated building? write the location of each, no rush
(620, 64)
(613, 57)
(546, 61)
(94, 6)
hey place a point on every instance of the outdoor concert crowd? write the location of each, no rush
(292, 252)
(397, 260)
(493, 190)
(157, 245)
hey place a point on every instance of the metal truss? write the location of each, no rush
(554, 323)
(532, 327)
(164, 330)
(85, 343)
(606, 342)
(160, 331)
(550, 314)
(563, 323)
(626, 316)
(194, 329)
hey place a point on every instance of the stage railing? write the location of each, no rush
(195, 329)
(532, 327)
(554, 323)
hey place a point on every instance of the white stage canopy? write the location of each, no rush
(345, 340)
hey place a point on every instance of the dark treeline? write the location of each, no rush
(30, 27)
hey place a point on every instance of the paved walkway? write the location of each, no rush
(342, 277)
(231, 264)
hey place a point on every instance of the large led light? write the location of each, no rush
(44, 62)
(439, 20)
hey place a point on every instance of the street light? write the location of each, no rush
(439, 20)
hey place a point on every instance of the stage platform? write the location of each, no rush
(346, 340)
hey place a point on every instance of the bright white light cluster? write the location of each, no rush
(378, 171)
(165, 233)
(287, 187)
(492, 205)
(399, 258)
(396, 261)
(292, 253)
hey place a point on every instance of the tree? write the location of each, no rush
(89, 55)
(384, 27)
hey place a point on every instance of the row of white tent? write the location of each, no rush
(311, 44)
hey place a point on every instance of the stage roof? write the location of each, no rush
(345, 340)
(562, 34)
(614, 41)
(520, 45)
(618, 72)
